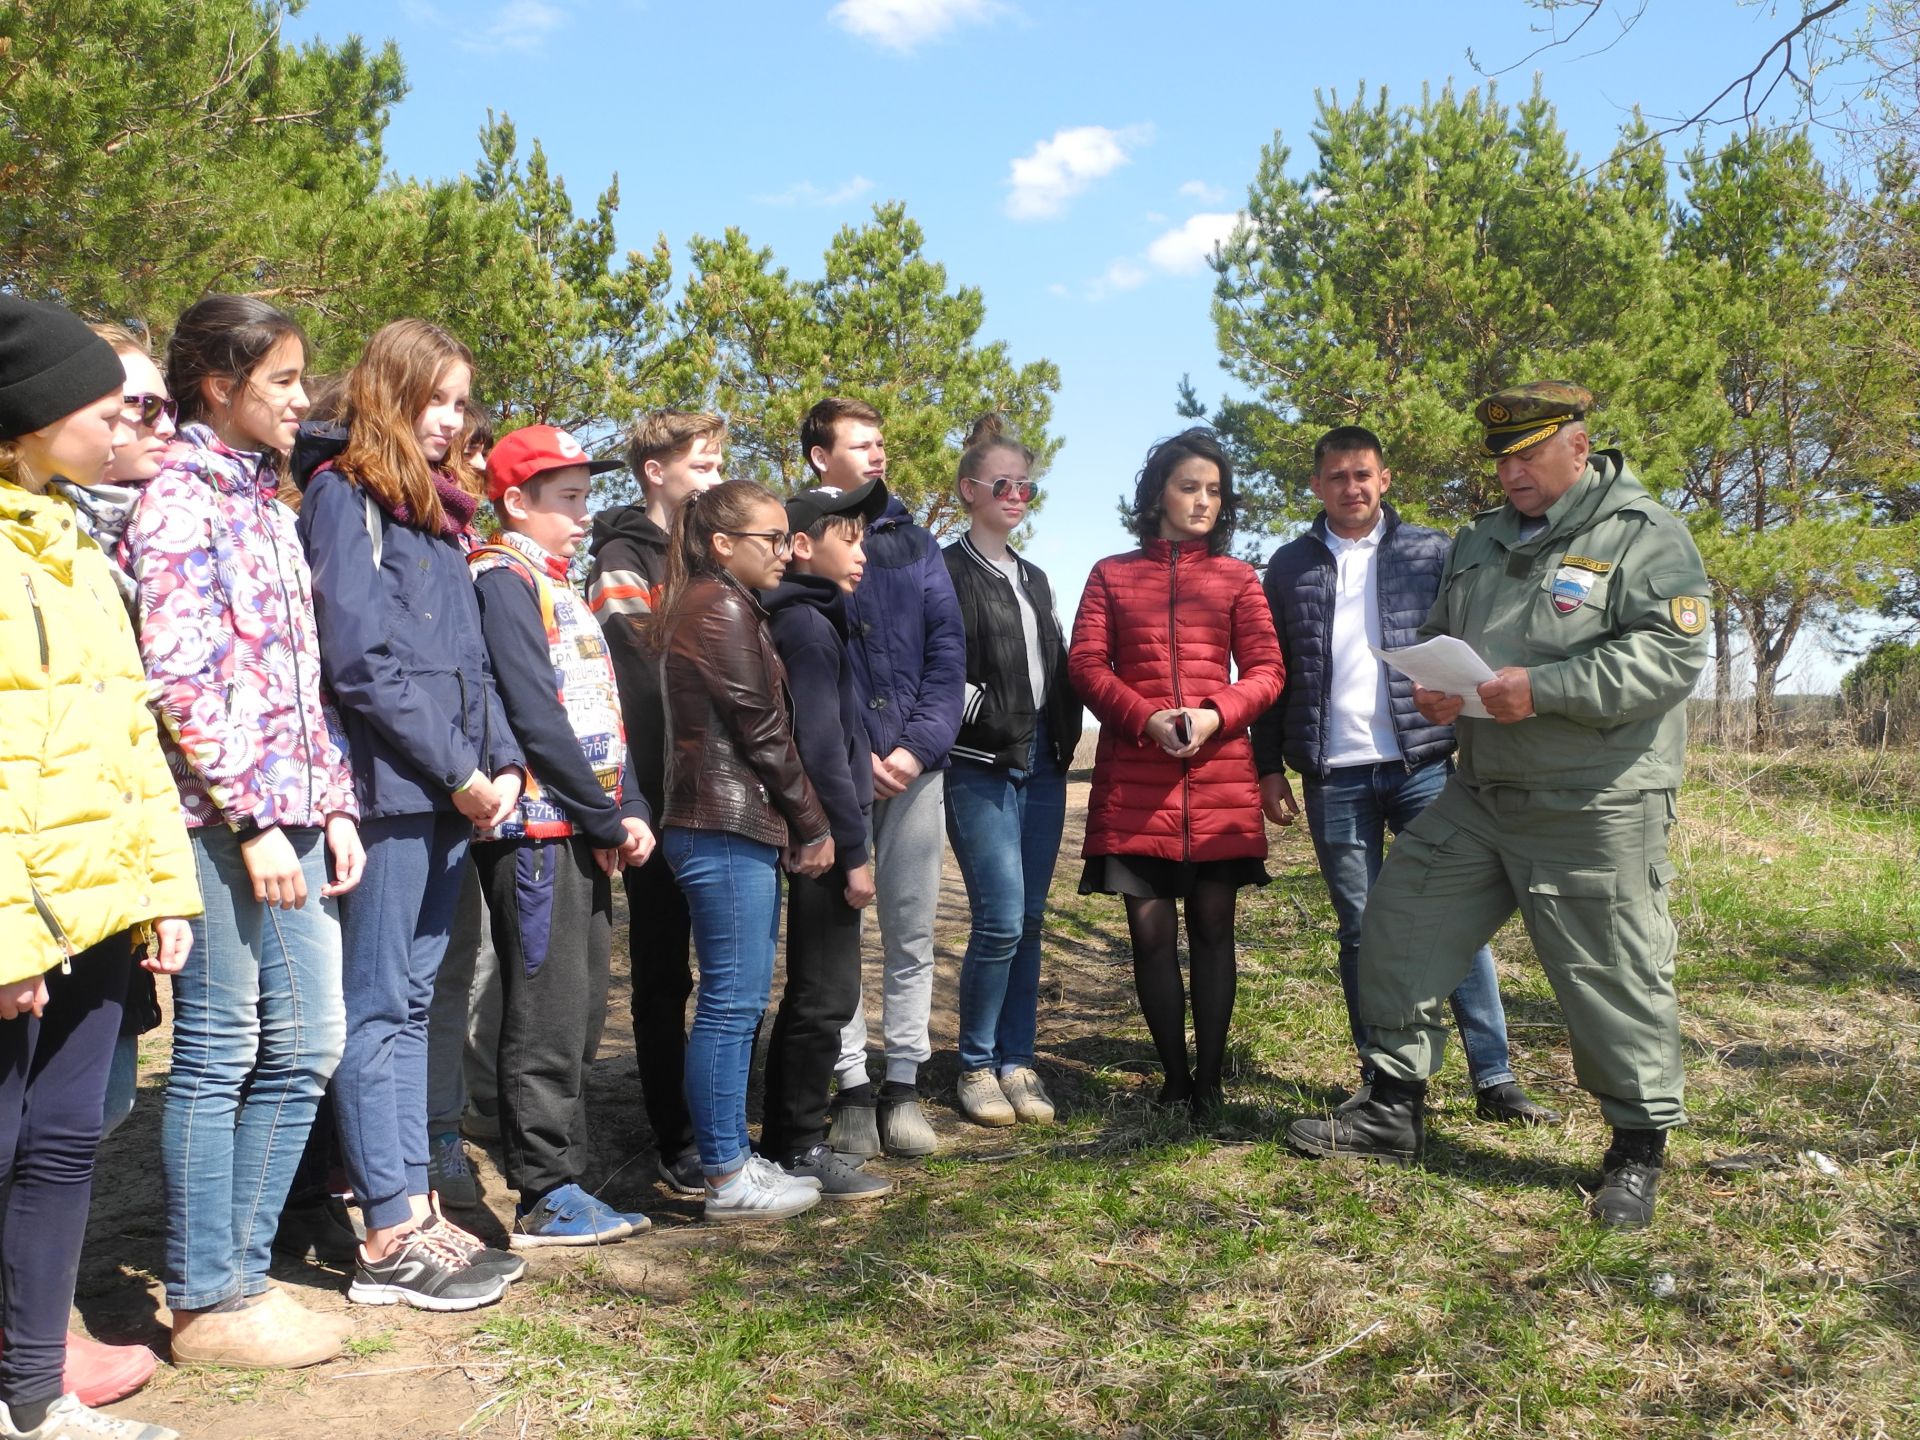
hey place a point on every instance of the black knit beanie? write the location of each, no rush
(51, 365)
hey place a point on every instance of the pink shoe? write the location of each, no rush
(101, 1374)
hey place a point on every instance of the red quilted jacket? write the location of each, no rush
(1155, 631)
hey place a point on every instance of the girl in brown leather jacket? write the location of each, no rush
(738, 805)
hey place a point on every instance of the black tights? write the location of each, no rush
(1154, 926)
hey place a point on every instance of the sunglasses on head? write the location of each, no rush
(148, 409)
(1019, 489)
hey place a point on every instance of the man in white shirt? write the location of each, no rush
(1368, 760)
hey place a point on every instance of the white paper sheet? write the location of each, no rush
(1445, 663)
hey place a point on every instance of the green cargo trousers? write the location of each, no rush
(1588, 871)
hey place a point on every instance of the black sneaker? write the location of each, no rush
(683, 1174)
(481, 1257)
(838, 1180)
(425, 1273)
(320, 1230)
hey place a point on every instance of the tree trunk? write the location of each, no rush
(1766, 668)
(1722, 674)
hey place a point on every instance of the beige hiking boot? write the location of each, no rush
(981, 1099)
(264, 1336)
(1029, 1098)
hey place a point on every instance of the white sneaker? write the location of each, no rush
(1031, 1103)
(778, 1174)
(754, 1195)
(68, 1419)
(981, 1099)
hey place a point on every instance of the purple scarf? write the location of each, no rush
(457, 507)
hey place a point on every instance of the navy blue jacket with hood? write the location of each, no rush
(1299, 585)
(807, 617)
(402, 652)
(907, 641)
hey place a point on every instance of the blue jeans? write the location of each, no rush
(1005, 829)
(257, 1030)
(732, 885)
(1348, 814)
(395, 925)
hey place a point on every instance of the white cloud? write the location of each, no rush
(1186, 249)
(521, 25)
(1123, 274)
(1042, 182)
(1056, 288)
(1203, 192)
(807, 193)
(905, 25)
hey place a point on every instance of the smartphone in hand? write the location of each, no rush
(1183, 729)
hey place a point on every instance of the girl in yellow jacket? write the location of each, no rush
(93, 854)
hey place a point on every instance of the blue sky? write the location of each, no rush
(1074, 159)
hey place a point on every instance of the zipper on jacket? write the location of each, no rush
(293, 634)
(39, 625)
(1173, 655)
(54, 928)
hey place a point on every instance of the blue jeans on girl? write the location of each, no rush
(732, 885)
(257, 1031)
(395, 925)
(1005, 827)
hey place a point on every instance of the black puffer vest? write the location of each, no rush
(996, 726)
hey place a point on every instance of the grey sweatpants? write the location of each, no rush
(909, 843)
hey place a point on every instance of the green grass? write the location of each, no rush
(1123, 1277)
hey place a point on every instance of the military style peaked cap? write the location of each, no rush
(1523, 415)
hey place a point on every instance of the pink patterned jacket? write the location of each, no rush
(225, 614)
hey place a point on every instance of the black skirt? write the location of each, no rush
(1149, 877)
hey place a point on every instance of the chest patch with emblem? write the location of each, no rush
(1571, 586)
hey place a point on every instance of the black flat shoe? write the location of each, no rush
(1508, 1104)
(1625, 1198)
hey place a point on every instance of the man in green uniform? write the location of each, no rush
(1588, 600)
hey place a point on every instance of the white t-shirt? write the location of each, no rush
(1030, 626)
(1359, 716)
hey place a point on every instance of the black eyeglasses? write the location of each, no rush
(778, 541)
(148, 409)
(1022, 490)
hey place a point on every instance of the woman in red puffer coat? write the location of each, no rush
(1175, 809)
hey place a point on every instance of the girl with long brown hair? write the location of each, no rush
(385, 529)
(738, 806)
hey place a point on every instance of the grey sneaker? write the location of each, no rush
(855, 1132)
(450, 1172)
(753, 1196)
(683, 1174)
(904, 1128)
(837, 1179)
(982, 1100)
(1031, 1103)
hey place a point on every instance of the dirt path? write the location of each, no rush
(428, 1375)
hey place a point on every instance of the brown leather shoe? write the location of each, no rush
(267, 1335)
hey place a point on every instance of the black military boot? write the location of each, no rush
(1389, 1125)
(1630, 1175)
(1511, 1105)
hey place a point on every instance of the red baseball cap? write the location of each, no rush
(533, 450)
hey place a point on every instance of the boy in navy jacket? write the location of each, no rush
(546, 869)
(807, 615)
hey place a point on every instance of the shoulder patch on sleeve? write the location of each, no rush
(1689, 613)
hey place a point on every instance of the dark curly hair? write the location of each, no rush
(1197, 443)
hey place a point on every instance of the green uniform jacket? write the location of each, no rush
(1606, 609)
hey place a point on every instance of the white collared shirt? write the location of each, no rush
(1359, 719)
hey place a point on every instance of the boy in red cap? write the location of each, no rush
(546, 868)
